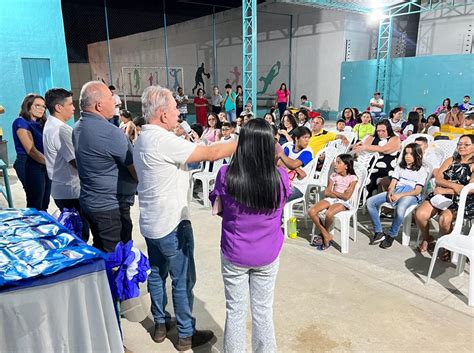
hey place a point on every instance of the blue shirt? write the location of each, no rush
(305, 156)
(36, 131)
(103, 152)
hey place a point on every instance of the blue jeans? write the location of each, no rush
(295, 194)
(376, 117)
(373, 205)
(231, 115)
(173, 254)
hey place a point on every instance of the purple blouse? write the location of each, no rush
(351, 122)
(249, 238)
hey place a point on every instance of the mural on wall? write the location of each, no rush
(151, 78)
(130, 82)
(174, 75)
(199, 80)
(267, 80)
(236, 74)
(136, 77)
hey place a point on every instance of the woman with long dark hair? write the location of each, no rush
(288, 124)
(30, 165)
(239, 101)
(387, 144)
(349, 117)
(404, 191)
(212, 133)
(455, 172)
(412, 125)
(282, 98)
(432, 125)
(249, 195)
(443, 108)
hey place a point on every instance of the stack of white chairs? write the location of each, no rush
(339, 146)
(319, 179)
(208, 178)
(459, 243)
(343, 219)
(369, 160)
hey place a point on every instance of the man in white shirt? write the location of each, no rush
(59, 153)
(160, 159)
(118, 103)
(376, 108)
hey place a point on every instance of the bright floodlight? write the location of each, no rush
(377, 15)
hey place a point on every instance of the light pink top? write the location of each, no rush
(341, 183)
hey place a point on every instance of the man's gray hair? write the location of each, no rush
(153, 98)
(90, 94)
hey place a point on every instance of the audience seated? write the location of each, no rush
(412, 125)
(396, 119)
(306, 104)
(454, 173)
(288, 124)
(387, 144)
(321, 137)
(364, 128)
(404, 191)
(466, 104)
(376, 105)
(297, 158)
(432, 126)
(454, 117)
(443, 108)
(349, 116)
(303, 119)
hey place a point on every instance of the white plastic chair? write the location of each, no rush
(447, 146)
(407, 218)
(319, 179)
(339, 146)
(207, 177)
(350, 136)
(368, 160)
(343, 218)
(288, 209)
(413, 137)
(458, 243)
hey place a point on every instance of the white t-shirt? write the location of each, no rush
(58, 152)
(159, 157)
(374, 109)
(432, 160)
(118, 103)
(408, 128)
(305, 156)
(410, 177)
(396, 126)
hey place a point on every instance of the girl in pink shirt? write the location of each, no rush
(339, 190)
(282, 98)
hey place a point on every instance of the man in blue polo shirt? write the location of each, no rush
(104, 158)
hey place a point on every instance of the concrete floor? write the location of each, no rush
(370, 300)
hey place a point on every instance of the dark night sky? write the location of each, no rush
(84, 20)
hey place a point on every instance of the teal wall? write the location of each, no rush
(29, 29)
(418, 81)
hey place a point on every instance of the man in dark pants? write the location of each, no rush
(59, 153)
(104, 162)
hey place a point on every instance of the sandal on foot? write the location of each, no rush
(445, 255)
(323, 247)
(422, 248)
(317, 241)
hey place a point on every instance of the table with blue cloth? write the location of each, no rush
(54, 289)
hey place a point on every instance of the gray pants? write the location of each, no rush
(238, 283)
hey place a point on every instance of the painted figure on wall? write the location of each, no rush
(236, 74)
(156, 77)
(130, 82)
(199, 80)
(274, 71)
(174, 75)
(150, 79)
(136, 77)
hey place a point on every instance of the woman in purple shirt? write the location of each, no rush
(249, 195)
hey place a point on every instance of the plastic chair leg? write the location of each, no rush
(286, 217)
(460, 265)
(343, 226)
(433, 260)
(471, 283)
(406, 230)
(205, 193)
(354, 221)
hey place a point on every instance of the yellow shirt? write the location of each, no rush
(317, 142)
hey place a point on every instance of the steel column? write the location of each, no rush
(384, 56)
(214, 44)
(166, 46)
(249, 51)
(111, 80)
